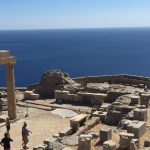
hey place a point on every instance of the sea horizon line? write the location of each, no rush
(82, 28)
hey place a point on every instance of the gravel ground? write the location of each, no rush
(43, 125)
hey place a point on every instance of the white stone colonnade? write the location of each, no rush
(9, 61)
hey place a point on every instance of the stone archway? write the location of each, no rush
(9, 61)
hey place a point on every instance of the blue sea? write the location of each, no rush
(80, 52)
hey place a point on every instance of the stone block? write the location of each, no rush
(34, 96)
(27, 94)
(78, 118)
(77, 121)
(40, 147)
(144, 99)
(67, 148)
(98, 98)
(147, 142)
(61, 94)
(125, 139)
(135, 100)
(138, 128)
(105, 107)
(100, 114)
(84, 142)
(30, 95)
(65, 132)
(113, 117)
(141, 106)
(53, 144)
(49, 141)
(140, 114)
(125, 123)
(134, 144)
(109, 145)
(105, 134)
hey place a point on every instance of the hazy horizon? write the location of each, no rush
(134, 27)
(64, 14)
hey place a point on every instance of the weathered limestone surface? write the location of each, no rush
(67, 148)
(65, 132)
(109, 145)
(40, 147)
(138, 128)
(29, 95)
(88, 125)
(145, 97)
(122, 78)
(140, 114)
(147, 142)
(53, 144)
(100, 114)
(84, 142)
(105, 134)
(125, 139)
(82, 97)
(134, 144)
(135, 100)
(77, 121)
(113, 117)
(105, 107)
(9, 61)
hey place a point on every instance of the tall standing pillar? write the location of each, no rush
(11, 98)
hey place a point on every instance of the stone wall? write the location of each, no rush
(80, 97)
(123, 78)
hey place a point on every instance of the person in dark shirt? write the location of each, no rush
(5, 142)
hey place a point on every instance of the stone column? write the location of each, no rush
(11, 91)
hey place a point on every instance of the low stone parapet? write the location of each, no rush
(81, 97)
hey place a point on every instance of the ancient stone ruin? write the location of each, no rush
(119, 105)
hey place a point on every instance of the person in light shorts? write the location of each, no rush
(25, 135)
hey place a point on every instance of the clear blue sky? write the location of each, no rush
(44, 14)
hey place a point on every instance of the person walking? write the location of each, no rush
(5, 142)
(25, 134)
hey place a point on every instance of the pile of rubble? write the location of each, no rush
(51, 81)
(3, 100)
